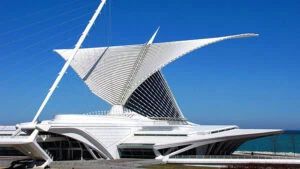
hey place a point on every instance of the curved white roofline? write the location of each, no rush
(114, 73)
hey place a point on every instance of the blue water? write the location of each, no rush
(289, 141)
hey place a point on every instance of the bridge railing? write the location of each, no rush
(234, 157)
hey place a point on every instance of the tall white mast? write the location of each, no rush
(68, 62)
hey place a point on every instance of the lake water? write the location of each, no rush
(288, 142)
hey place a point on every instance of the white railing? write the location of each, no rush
(126, 113)
(100, 113)
(233, 157)
(14, 137)
(49, 154)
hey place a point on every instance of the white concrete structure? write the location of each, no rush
(235, 161)
(144, 122)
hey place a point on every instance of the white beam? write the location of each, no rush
(153, 37)
(67, 64)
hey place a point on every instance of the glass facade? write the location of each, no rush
(65, 148)
(136, 153)
(10, 151)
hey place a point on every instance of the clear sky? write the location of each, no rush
(251, 82)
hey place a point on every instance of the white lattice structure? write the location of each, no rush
(114, 73)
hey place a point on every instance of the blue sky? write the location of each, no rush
(252, 82)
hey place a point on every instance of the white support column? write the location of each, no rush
(67, 64)
(90, 151)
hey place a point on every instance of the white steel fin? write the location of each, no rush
(67, 64)
(153, 36)
(110, 77)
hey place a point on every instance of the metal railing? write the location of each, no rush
(107, 112)
(14, 137)
(100, 112)
(49, 154)
(234, 157)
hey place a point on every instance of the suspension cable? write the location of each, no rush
(35, 44)
(109, 23)
(37, 64)
(37, 12)
(45, 20)
(68, 62)
(44, 30)
(43, 40)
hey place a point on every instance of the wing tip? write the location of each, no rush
(248, 35)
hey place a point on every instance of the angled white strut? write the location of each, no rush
(68, 62)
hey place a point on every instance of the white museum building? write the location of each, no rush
(144, 121)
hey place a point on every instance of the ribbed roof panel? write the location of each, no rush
(115, 73)
(105, 70)
(161, 54)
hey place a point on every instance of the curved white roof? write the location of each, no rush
(113, 73)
